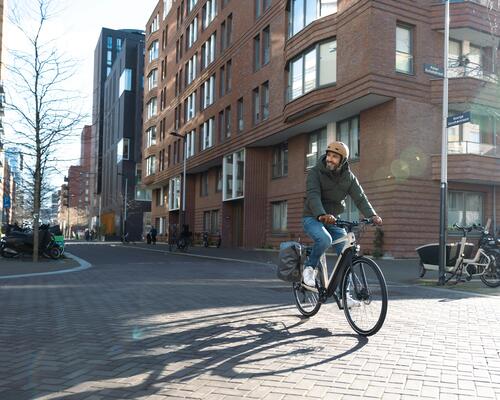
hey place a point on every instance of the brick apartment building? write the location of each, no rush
(258, 88)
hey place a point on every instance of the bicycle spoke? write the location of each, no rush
(365, 297)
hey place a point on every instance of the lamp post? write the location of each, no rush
(444, 153)
(183, 209)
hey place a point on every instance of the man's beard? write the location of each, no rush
(331, 167)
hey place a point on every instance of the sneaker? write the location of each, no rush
(352, 302)
(308, 276)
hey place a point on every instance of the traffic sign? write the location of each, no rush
(6, 201)
(434, 70)
(458, 119)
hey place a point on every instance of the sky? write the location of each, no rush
(76, 29)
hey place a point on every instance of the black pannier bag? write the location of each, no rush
(291, 258)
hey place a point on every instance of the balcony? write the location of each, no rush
(472, 17)
(473, 88)
(477, 163)
(482, 149)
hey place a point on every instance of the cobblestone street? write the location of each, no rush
(139, 325)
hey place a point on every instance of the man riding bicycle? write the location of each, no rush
(327, 187)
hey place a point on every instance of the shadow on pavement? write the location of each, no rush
(234, 345)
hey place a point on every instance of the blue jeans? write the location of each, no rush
(323, 235)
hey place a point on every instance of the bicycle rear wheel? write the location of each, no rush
(364, 296)
(491, 275)
(307, 301)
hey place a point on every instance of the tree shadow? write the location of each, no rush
(231, 345)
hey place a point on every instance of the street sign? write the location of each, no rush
(458, 119)
(6, 201)
(434, 70)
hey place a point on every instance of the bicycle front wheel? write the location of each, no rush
(491, 274)
(364, 296)
(307, 301)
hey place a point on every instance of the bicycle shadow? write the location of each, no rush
(231, 348)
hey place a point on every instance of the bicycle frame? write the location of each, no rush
(349, 241)
(462, 262)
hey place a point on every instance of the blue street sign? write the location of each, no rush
(458, 119)
(434, 70)
(6, 201)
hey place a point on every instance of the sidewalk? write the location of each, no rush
(25, 266)
(396, 271)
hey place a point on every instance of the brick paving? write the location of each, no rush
(145, 325)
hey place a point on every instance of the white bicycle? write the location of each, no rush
(363, 291)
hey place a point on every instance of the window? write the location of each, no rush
(474, 137)
(152, 107)
(218, 181)
(191, 69)
(123, 150)
(222, 81)
(208, 92)
(161, 160)
(167, 5)
(348, 132)
(264, 100)
(256, 106)
(316, 147)
(233, 172)
(118, 44)
(257, 8)
(260, 100)
(154, 25)
(404, 49)
(266, 40)
(125, 81)
(223, 36)
(280, 160)
(207, 134)
(190, 107)
(174, 193)
(150, 165)
(466, 59)
(229, 76)
(208, 51)
(229, 30)
(303, 71)
(151, 135)
(209, 12)
(227, 121)
(239, 110)
(465, 208)
(109, 40)
(256, 53)
(153, 79)
(351, 212)
(192, 33)
(191, 4)
(190, 138)
(153, 51)
(303, 12)
(280, 210)
(211, 221)
(204, 184)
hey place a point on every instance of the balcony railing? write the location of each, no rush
(482, 149)
(470, 70)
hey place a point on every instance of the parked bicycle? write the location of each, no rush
(460, 264)
(356, 279)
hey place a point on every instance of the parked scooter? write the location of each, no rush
(18, 241)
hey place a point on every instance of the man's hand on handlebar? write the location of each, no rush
(327, 219)
(376, 220)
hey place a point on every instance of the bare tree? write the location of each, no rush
(45, 111)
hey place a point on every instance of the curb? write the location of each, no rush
(83, 265)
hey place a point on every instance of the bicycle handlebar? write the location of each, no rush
(351, 224)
